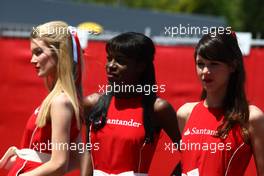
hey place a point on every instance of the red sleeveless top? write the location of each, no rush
(206, 155)
(121, 142)
(38, 139)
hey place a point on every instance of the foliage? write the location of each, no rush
(242, 15)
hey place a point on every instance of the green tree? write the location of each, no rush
(226, 8)
(253, 17)
(241, 15)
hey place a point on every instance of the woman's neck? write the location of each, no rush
(215, 99)
(50, 83)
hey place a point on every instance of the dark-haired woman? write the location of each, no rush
(125, 122)
(220, 133)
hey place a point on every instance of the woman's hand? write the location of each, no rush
(8, 159)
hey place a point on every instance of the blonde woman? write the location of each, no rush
(55, 124)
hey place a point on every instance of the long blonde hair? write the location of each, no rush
(57, 37)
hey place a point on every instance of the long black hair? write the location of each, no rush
(141, 48)
(224, 47)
